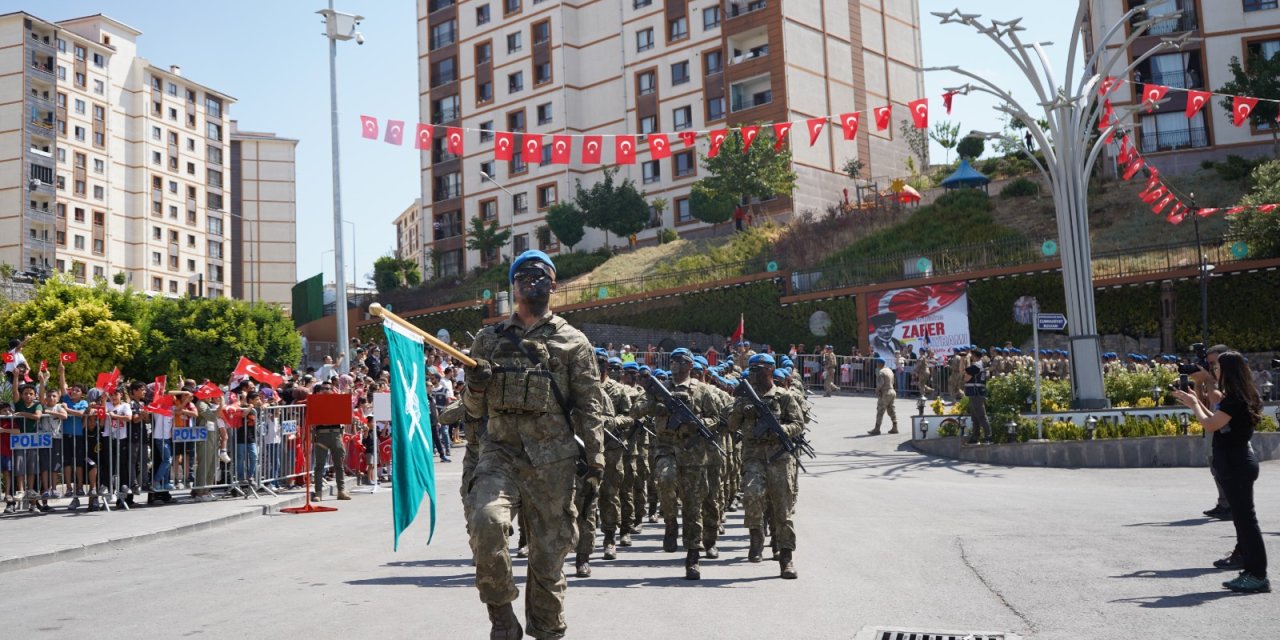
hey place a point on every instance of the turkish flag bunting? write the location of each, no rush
(253, 370)
(561, 149)
(689, 138)
(919, 112)
(748, 136)
(1153, 177)
(946, 100)
(395, 132)
(624, 148)
(780, 131)
(369, 127)
(1267, 208)
(504, 143)
(849, 122)
(591, 146)
(1176, 215)
(455, 140)
(531, 148)
(815, 126)
(422, 138)
(1241, 107)
(659, 146)
(1235, 210)
(1164, 202)
(1127, 152)
(67, 356)
(1133, 168)
(1196, 100)
(882, 117)
(717, 139)
(1153, 93)
(208, 391)
(1205, 213)
(1108, 113)
(1155, 194)
(1108, 85)
(162, 404)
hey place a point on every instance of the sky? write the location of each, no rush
(273, 58)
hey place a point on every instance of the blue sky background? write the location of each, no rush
(272, 57)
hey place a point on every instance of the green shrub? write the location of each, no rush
(570, 265)
(1019, 188)
(1237, 168)
(1207, 164)
(667, 235)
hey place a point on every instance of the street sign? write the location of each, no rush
(1051, 322)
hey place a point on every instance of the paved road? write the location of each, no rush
(887, 537)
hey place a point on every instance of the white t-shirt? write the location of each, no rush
(325, 372)
(161, 427)
(119, 415)
(18, 358)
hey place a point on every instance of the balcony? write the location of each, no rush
(39, 215)
(37, 44)
(44, 71)
(1186, 22)
(37, 243)
(743, 7)
(41, 128)
(1174, 140)
(1176, 79)
(40, 102)
(445, 115)
(447, 193)
(751, 93)
(748, 46)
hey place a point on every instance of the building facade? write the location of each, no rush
(409, 235)
(639, 67)
(1221, 30)
(263, 216)
(111, 167)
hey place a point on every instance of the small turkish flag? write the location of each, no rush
(108, 381)
(920, 112)
(1133, 168)
(422, 139)
(1196, 100)
(1234, 211)
(624, 147)
(504, 143)
(44, 365)
(882, 117)
(748, 136)
(659, 146)
(7, 358)
(1108, 112)
(1153, 177)
(395, 132)
(369, 127)
(561, 149)
(67, 356)
(815, 126)
(780, 131)
(591, 149)
(1126, 153)
(717, 139)
(287, 371)
(161, 384)
(946, 100)
(253, 370)
(1205, 213)
(1164, 202)
(1152, 195)
(455, 140)
(1153, 93)
(849, 122)
(689, 138)
(1268, 208)
(531, 148)
(208, 391)
(161, 404)
(1241, 107)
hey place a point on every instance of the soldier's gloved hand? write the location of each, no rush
(749, 411)
(479, 375)
(661, 410)
(595, 474)
(688, 429)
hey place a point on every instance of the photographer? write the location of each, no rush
(1232, 423)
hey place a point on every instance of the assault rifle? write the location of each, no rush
(638, 426)
(680, 413)
(767, 422)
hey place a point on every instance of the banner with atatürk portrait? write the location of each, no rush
(932, 316)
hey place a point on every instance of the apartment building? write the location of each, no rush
(638, 67)
(263, 216)
(1221, 30)
(111, 167)
(409, 235)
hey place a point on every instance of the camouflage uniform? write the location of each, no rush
(766, 479)
(614, 500)
(635, 465)
(829, 369)
(924, 375)
(681, 470)
(955, 378)
(527, 460)
(885, 397)
(717, 470)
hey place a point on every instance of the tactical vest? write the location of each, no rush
(519, 386)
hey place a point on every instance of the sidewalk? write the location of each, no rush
(36, 539)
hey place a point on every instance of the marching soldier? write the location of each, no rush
(829, 369)
(607, 501)
(955, 373)
(924, 372)
(885, 397)
(635, 461)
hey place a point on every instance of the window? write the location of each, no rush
(486, 167)
(518, 166)
(482, 14)
(448, 225)
(520, 203)
(547, 196)
(99, 88)
(99, 60)
(680, 72)
(682, 118)
(1172, 131)
(713, 62)
(173, 212)
(215, 178)
(652, 171)
(648, 124)
(79, 79)
(99, 247)
(99, 165)
(173, 113)
(80, 104)
(213, 201)
(80, 187)
(79, 215)
(155, 258)
(444, 34)
(751, 93)
(214, 155)
(715, 108)
(444, 71)
(486, 132)
(213, 107)
(157, 284)
(62, 73)
(448, 186)
(191, 265)
(98, 192)
(215, 226)
(639, 4)
(79, 52)
(1259, 5)
(215, 250)
(510, 6)
(191, 96)
(710, 18)
(542, 32)
(542, 73)
(489, 209)
(484, 52)
(515, 82)
(484, 92)
(514, 42)
(191, 144)
(79, 244)
(544, 113)
(191, 168)
(213, 131)
(445, 109)
(646, 83)
(437, 5)
(683, 162)
(683, 216)
(173, 286)
(678, 29)
(173, 89)
(191, 241)
(156, 233)
(644, 40)
(520, 243)
(155, 133)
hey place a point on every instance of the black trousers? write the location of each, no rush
(1237, 470)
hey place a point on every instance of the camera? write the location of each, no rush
(1182, 383)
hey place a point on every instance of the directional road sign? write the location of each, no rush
(1051, 322)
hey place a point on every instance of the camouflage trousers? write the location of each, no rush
(588, 516)
(505, 484)
(635, 475)
(829, 380)
(613, 491)
(713, 504)
(686, 486)
(769, 489)
(884, 404)
(469, 460)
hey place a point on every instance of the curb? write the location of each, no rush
(84, 551)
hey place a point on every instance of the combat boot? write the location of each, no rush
(583, 565)
(874, 432)
(624, 540)
(784, 562)
(610, 552)
(506, 626)
(756, 550)
(894, 429)
(522, 545)
(691, 570)
(669, 538)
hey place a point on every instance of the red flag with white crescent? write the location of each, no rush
(504, 143)
(561, 149)
(717, 139)
(919, 112)
(659, 146)
(815, 126)
(369, 127)
(1196, 100)
(882, 117)
(253, 370)
(1155, 194)
(591, 146)
(917, 302)
(780, 131)
(946, 100)
(1205, 213)
(455, 140)
(748, 136)
(849, 122)
(1133, 168)
(1235, 210)
(1153, 93)
(624, 147)
(1176, 214)
(395, 132)
(1267, 208)
(208, 391)
(1164, 202)
(1241, 107)
(1108, 85)
(422, 138)
(740, 331)
(161, 404)
(689, 138)
(531, 148)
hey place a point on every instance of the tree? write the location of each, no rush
(613, 208)
(65, 317)
(762, 173)
(120, 278)
(853, 168)
(971, 147)
(387, 274)
(487, 238)
(947, 135)
(204, 338)
(708, 206)
(917, 141)
(1260, 79)
(567, 223)
(1260, 231)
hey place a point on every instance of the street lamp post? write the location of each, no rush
(511, 227)
(338, 26)
(1070, 147)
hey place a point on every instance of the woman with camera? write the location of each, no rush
(1232, 423)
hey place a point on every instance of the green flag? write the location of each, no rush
(412, 466)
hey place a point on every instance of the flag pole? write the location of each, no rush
(376, 309)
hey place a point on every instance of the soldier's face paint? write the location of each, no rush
(680, 366)
(534, 287)
(761, 376)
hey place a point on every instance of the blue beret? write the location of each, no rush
(661, 373)
(682, 352)
(761, 358)
(615, 360)
(532, 254)
(702, 360)
(697, 366)
(786, 361)
(630, 366)
(780, 374)
(643, 367)
(601, 353)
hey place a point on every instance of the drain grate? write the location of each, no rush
(892, 633)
